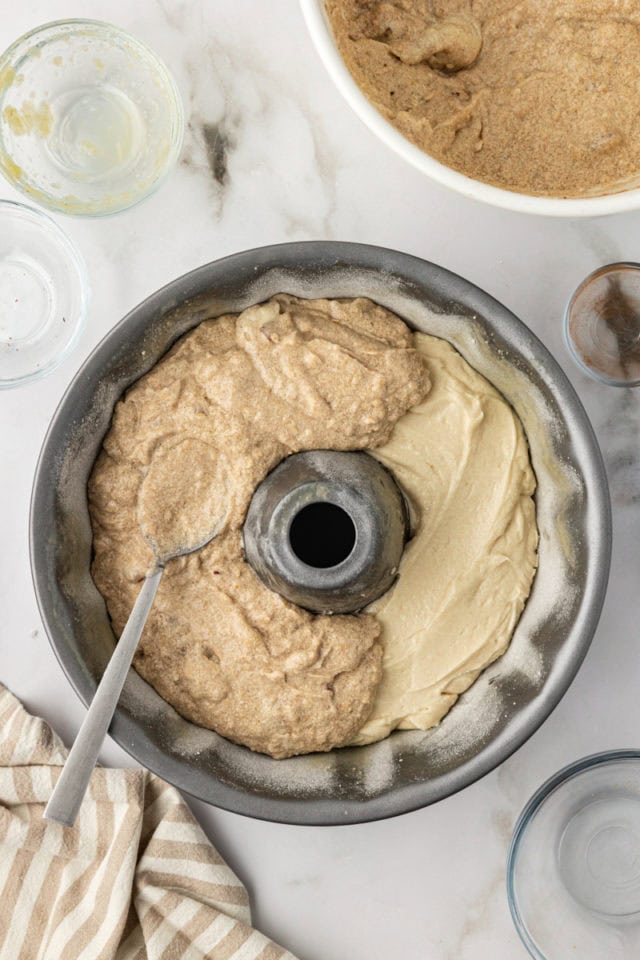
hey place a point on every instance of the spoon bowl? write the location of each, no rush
(71, 786)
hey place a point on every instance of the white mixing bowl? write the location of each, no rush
(592, 206)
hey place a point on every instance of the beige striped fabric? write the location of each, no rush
(135, 879)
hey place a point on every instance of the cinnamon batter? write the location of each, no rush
(534, 96)
(191, 441)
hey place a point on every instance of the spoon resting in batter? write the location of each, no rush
(167, 534)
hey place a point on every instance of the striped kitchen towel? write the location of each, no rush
(135, 879)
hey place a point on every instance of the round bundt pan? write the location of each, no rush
(510, 699)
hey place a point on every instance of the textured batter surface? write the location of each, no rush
(187, 446)
(532, 95)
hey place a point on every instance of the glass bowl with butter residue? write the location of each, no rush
(91, 120)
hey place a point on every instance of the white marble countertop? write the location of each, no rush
(294, 164)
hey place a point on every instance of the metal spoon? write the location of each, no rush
(71, 787)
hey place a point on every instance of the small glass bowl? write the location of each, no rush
(44, 294)
(573, 873)
(91, 120)
(602, 325)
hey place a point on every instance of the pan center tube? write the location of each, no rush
(326, 529)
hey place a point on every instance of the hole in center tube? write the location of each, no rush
(322, 535)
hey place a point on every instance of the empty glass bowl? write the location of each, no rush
(91, 120)
(573, 873)
(602, 324)
(43, 294)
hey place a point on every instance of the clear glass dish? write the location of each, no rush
(44, 294)
(573, 873)
(602, 325)
(91, 120)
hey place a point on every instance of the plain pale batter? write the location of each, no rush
(462, 458)
(536, 96)
(187, 447)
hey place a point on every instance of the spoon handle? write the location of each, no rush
(70, 789)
